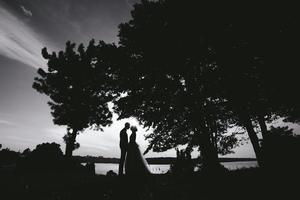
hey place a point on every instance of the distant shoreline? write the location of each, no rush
(158, 160)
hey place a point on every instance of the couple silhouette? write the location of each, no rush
(131, 156)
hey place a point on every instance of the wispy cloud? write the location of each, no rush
(56, 133)
(32, 141)
(18, 41)
(26, 11)
(5, 122)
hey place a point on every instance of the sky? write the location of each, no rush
(26, 26)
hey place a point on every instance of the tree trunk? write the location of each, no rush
(215, 135)
(69, 151)
(253, 137)
(70, 144)
(209, 153)
(208, 150)
(263, 126)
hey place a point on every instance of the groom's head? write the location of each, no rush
(127, 125)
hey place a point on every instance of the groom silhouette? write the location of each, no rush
(123, 146)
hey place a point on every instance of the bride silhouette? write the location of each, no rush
(135, 163)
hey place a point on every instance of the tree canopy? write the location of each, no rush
(77, 90)
(191, 70)
(188, 70)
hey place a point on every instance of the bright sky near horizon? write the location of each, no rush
(26, 26)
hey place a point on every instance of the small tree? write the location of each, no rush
(77, 90)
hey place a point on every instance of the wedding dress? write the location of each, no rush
(135, 163)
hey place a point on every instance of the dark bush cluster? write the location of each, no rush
(48, 157)
(281, 149)
(8, 157)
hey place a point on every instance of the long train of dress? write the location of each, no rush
(135, 163)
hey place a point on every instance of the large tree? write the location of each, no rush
(256, 54)
(170, 80)
(188, 67)
(77, 90)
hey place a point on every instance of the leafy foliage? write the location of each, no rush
(47, 157)
(77, 89)
(281, 145)
(77, 100)
(8, 156)
(171, 79)
(191, 76)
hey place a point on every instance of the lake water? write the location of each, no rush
(102, 168)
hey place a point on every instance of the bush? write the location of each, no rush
(111, 173)
(281, 149)
(47, 157)
(8, 157)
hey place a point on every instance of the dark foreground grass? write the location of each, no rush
(240, 184)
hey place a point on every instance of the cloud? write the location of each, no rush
(27, 141)
(18, 41)
(26, 12)
(5, 122)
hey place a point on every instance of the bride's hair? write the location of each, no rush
(133, 128)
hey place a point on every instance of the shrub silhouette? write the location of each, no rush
(47, 157)
(8, 157)
(281, 149)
